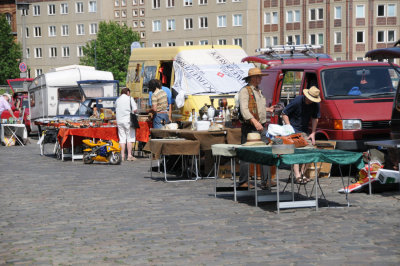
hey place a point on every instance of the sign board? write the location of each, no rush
(22, 67)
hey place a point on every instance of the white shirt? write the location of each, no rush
(4, 105)
(123, 108)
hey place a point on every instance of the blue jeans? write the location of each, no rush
(157, 121)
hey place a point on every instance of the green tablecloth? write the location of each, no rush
(263, 155)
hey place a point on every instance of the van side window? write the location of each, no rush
(290, 86)
(149, 74)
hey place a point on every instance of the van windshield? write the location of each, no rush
(360, 82)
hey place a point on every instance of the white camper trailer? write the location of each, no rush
(57, 93)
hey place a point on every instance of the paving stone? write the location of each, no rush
(68, 213)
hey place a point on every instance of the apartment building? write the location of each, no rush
(202, 22)
(347, 29)
(55, 31)
(8, 8)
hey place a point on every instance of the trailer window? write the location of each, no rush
(149, 74)
(69, 94)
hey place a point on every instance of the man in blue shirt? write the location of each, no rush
(298, 114)
(169, 97)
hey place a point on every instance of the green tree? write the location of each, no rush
(10, 52)
(111, 50)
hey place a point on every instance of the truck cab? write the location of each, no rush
(357, 96)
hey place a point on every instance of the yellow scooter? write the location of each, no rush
(108, 151)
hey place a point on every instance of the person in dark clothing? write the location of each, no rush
(298, 114)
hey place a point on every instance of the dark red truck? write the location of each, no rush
(357, 96)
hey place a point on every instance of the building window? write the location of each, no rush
(53, 52)
(297, 16)
(320, 13)
(316, 14)
(237, 20)
(157, 44)
(142, 34)
(360, 59)
(221, 21)
(188, 23)
(116, 14)
(297, 39)
(79, 50)
(28, 53)
(142, 23)
(274, 17)
(236, 1)
(36, 10)
(289, 40)
(38, 52)
(64, 30)
(320, 38)
(134, 2)
(93, 28)
(203, 22)
(391, 36)
(170, 3)
(52, 31)
(123, 13)
(156, 4)
(27, 32)
(141, 12)
(134, 12)
(156, 25)
(37, 31)
(338, 37)
(80, 29)
(92, 6)
(203, 2)
(275, 40)
(360, 11)
(221, 1)
(391, 10)
(238, 41)
(24, 12)
(79, 7)
(267, 42)
(221, 42)
(380, 36)
(188, 43)
(312, 39)
(51, 9)
(65, 51)
(116, 3)
(338, 12)
(170, 24)
(38, 72)
(123, 2)
(381, 10)
(64, 8)
(8, 18)
(292, 16)
(171, 44)
(289, 16)
(203, 42)
(141, 2)
(360, 37)
(135, 24)
(187, 2)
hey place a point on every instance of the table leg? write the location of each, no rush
(255, 184)
(72, 147)
(233, 162)
(316, 187)
(369, 172)
(277, 189)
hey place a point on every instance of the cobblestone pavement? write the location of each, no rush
(68, 213)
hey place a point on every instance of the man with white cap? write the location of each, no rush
(253, 109)
(5, 105)
(298, 114)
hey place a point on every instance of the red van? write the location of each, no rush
(357, 96)
(19, 89)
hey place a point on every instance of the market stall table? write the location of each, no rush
(264, 156)
(17, 131)
(181, 147)
(66, 137)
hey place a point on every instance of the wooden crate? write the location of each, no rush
(324, 169)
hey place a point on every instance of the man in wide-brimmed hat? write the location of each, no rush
(253, 111)
(299, 113)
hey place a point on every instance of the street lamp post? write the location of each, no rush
(24, 7)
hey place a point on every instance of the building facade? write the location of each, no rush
(8, 8)
(55, 31)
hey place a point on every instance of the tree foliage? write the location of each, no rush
(10, 52)
(111, 50)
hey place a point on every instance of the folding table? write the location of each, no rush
(15, 130)
(181, 147)
(264, 156)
